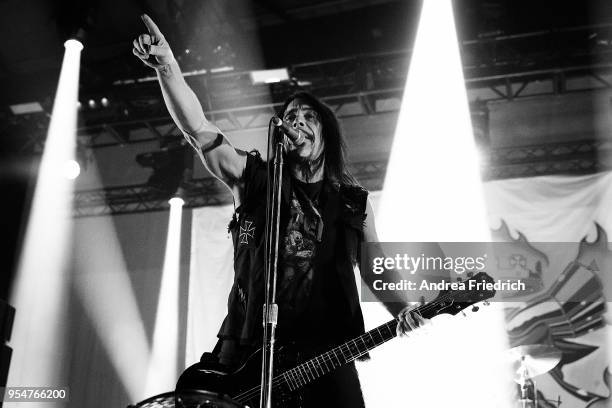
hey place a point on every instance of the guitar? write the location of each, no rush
(242, 385)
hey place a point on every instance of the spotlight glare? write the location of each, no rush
(92, 104)
(72, 169)
(176, 201)
(104, 102)
(73, 45)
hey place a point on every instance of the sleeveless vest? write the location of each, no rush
(343, 215)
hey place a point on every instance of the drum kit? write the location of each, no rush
(527, 361)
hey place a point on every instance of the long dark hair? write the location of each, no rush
(336, 169)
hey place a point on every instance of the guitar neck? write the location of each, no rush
(447, 302)
(316, 367)
(347, 352)
(343, 354)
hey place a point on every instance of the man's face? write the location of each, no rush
(301, 116)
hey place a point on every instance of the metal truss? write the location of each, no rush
(561, 158)
(144, 198)
(117, 131)
(363, 103)
(117, 200)
(552, 81)
(235, 119)
(197, 193)
(580, 157)
(496, 68)
(543, 152)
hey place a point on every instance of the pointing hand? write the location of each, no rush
(152, 48)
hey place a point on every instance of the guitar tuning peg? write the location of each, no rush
(463, 313)
(486, 303)
(475, 308)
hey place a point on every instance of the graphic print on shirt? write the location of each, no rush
(298, 253)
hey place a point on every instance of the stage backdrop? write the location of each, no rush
(531, 212)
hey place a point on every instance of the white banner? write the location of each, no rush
(541, 209)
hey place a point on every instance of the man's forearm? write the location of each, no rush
(217, 153)
(392, 301)
(181, 101)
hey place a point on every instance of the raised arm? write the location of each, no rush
(217, 153)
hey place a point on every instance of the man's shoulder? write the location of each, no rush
(254, 156)
(253, 181)
(353, 193)
(354, 200)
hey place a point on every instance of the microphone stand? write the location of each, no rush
(270, 308)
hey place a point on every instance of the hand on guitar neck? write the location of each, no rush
(408, 320)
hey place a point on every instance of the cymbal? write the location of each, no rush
(532, 360)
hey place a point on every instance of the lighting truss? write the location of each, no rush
(496, 68)
(527, 161)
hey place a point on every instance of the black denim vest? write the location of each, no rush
(343, 216)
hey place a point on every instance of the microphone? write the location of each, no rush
(295, 135)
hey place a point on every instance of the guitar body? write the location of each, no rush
(210, 379)
(207, 385)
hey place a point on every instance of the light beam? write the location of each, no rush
(433, 169)
(40, 291)
(433, 192)
(163, 364)
(103, 285)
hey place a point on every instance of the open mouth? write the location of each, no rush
(308, 135)
(305, 134)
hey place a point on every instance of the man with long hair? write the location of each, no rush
(325, 215)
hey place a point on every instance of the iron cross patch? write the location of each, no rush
(247, 231)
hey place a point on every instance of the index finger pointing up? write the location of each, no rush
(151, 26)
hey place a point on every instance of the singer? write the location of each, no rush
(325, 216)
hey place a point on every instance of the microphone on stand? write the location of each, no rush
(295, 135)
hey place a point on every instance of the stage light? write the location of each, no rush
(92, 104)
(169, 164)
(163, 364)
(174, 201)
(72, 169)
(104, 102)
(40, 292)
(73, 45)
(269, 76)
(218, 70)
(432, 192)
(25, 108)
